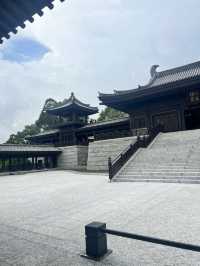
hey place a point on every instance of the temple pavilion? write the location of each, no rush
(75, 128)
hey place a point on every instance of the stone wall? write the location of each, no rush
(73, 158)
(99, 151)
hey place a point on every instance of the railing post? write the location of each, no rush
(110, 168)
(96, 241)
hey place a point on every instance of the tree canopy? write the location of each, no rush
(44, 122)
(110, 114)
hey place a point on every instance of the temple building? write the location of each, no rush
(171, 98)
(75, 129)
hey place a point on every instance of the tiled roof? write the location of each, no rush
(27, 148)
(165, 78)
(176, 74)
(13, 13)
(45, 133)
(106, 123)
(72, 104)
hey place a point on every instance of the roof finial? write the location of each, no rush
(153, 70)
(72, 95)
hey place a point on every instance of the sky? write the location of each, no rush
(90, 46)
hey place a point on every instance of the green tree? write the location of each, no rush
(110, 114)
(19, 138)
(44, 122)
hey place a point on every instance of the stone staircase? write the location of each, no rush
(172, 157)
(100, 150)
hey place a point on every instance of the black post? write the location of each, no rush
(24, 163)
(110, 168)
(10, 164)
(3, 165)
(96, 241)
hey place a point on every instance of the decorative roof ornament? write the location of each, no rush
(72, 97)
(153, 71)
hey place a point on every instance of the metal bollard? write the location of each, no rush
(96, 241)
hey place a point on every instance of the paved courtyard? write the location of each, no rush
(42, 218)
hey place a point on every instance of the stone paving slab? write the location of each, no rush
(42, 219)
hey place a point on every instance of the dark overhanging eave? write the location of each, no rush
(66, 110)
(13, 14)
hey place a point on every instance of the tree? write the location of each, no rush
(109, 114)
(44, 122)
(19, 138)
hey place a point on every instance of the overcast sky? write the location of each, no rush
(90, 46)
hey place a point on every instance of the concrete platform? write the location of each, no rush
(42, 218)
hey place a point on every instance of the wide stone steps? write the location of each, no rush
(172, 157)
(171, 175)
(161, 180)
(99, 151)
(147, 170)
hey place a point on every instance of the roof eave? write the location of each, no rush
(140, 93)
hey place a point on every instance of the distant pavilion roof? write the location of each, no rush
(73, 105)
(44, 133)
(159, 82)
(13, 13)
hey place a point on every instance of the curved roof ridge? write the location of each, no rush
(72, 100)
(180, 68)
(70, 104)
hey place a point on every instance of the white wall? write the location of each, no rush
(73, 157)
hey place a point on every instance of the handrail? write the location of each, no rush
(153, 240)
(142, 142)
(96, 241)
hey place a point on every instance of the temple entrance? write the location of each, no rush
(168, 120)
(192, 118)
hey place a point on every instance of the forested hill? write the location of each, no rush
(46, 121)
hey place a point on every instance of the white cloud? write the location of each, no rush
(96, 46)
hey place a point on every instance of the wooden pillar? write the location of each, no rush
(46, 162)
(32, 162)
(1, 160)
(10, 164)
(36, 162)
(24, 163)
(18, 164)
(3, 164)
